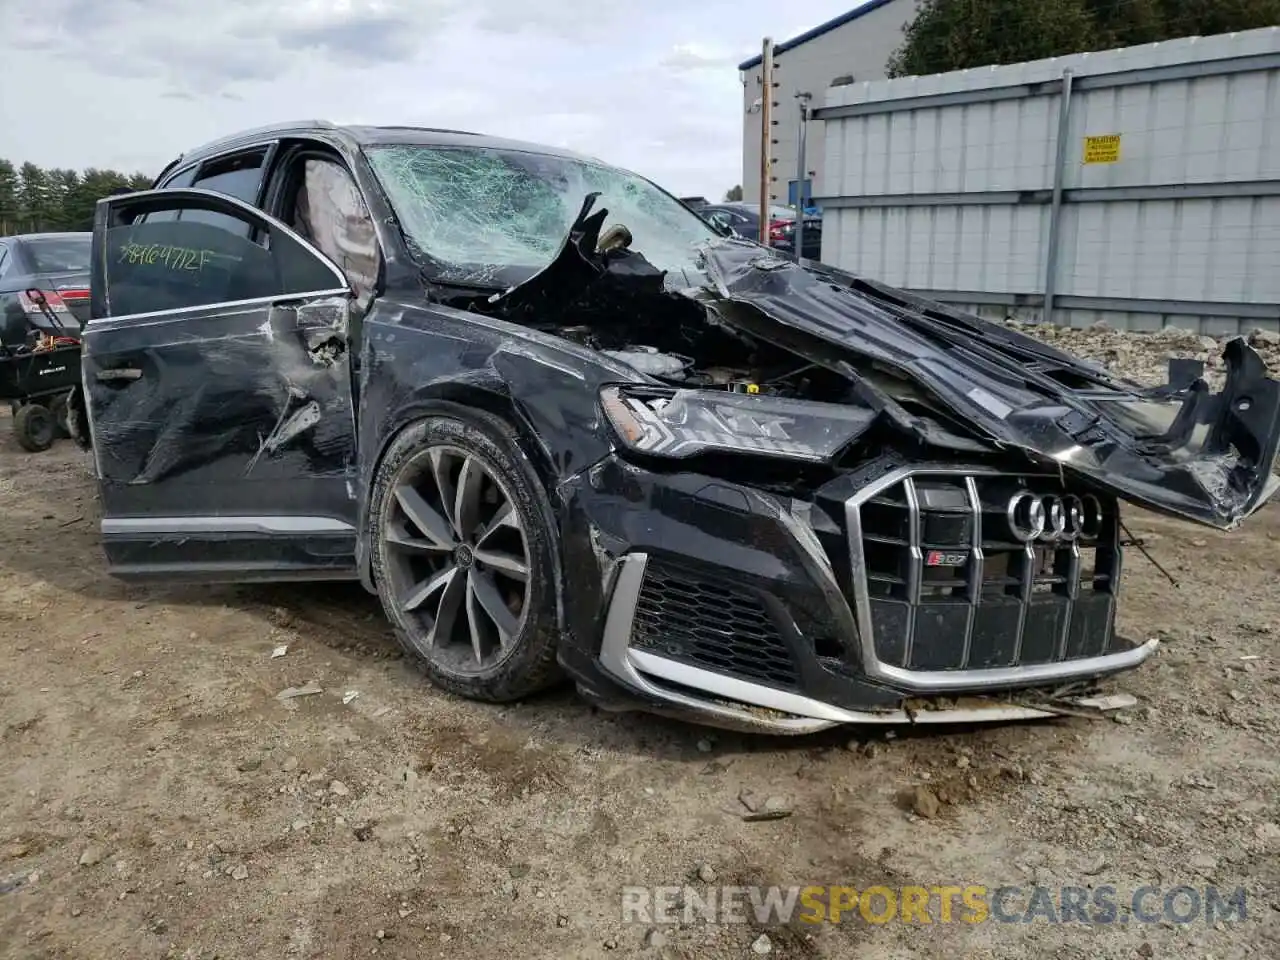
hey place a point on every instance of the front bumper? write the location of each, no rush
(739, 608)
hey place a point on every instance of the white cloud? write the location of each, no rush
(698, 56)
(130, 84)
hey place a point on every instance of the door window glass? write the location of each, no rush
(177, 264)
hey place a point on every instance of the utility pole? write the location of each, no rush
(1055, 204)
(766, 136)
(802, 175)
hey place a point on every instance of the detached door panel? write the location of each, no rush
(216, 369)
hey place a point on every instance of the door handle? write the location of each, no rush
(119, 373)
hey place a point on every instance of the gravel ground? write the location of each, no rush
(162, 800)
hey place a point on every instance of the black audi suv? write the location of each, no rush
(560, 425)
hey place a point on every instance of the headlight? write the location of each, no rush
(685, 423)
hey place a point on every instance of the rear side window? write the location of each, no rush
(183, 179)
(176, 182)
(60, 254)
(239, 176)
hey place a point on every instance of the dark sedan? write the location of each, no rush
(56, 265)
(566, 427)
(744, 219)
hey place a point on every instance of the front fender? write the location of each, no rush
(549, 395)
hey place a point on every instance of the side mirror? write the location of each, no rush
(721, 226)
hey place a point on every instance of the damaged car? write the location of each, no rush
(560, 426)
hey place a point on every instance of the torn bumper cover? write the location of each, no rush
(745, 610)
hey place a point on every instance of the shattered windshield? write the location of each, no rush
(491, 216)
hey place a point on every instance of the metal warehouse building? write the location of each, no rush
(1138, 186)
(851, 48)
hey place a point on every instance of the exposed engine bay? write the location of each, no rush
(785, 380)
(600, 294)
(926, 377)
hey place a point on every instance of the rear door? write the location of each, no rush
(217, 378)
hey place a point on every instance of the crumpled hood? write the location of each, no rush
(1180, 450)
(1206, 457)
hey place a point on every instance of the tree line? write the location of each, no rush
(959, 34)
(34, 199)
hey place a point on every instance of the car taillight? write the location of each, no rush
(778, 229)
(72, 295)
(42, 301)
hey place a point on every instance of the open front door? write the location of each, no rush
(218, 389)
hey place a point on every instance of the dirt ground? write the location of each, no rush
(161, 801)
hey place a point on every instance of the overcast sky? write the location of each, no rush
(130, 84)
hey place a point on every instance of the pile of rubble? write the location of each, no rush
(1144, 357)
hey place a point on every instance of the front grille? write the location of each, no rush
(943, 583)
(710, 623)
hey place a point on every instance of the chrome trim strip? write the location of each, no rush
(224, 307)
(916, 574)
(953, 681)
(732, 688)
(858, 575)
(976, 560)
(770, 699)
(185, 526)
(967, 681)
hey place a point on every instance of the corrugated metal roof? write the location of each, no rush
(817, 31)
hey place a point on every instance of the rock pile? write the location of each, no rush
(1144, 357)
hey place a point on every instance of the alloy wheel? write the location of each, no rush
(457, 558)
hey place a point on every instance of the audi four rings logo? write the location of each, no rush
(1049, 518)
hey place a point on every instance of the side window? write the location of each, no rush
(158, 265)
(180, 180)
(5, 259)
(329, 211)
(237, 176)
(175, 182)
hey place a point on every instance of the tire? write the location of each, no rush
(484, 631)
(60, 409)
(36, 427)
(77, 421)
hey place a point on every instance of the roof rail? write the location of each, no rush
(409, 126)
(269, 128)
